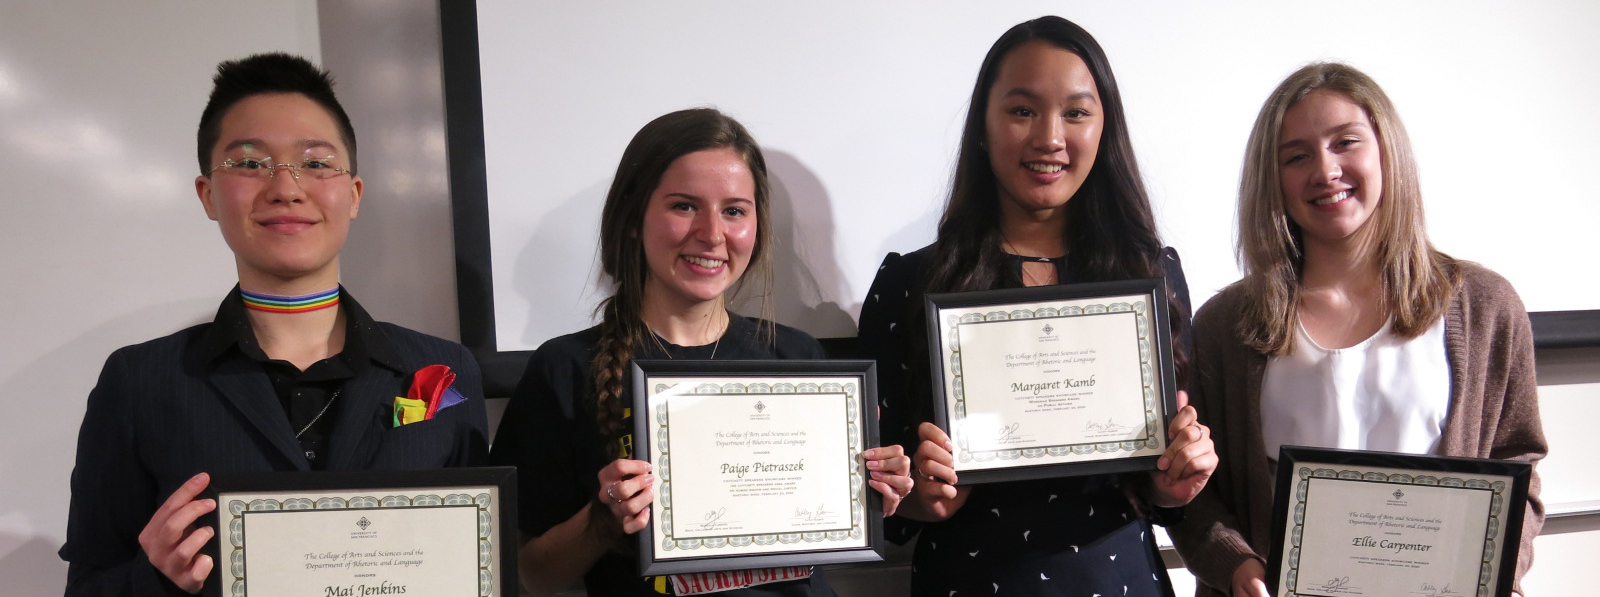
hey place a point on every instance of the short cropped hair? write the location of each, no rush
(258, 74)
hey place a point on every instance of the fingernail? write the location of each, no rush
(877, 475)
(873, 464)
(1163, 462)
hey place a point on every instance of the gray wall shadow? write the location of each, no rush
(400, 256)
(564, 237)
(808, 286)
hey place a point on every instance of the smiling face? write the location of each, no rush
(285, 234)
(1043, 126)
(699, 228)
(1330, 167)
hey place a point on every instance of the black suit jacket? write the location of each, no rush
(161, 413)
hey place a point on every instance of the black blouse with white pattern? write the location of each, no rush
(1065, 536)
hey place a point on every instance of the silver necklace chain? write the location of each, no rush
(324, 410)
(663, 347)
(1036, 280)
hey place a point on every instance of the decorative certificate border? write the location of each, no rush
(853, 448)
(238, 508)
(490, 491)
(1506, 481)
(1152, 426)
(1491, 529)
(854, 382)
(1144, 299)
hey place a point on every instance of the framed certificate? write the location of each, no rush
(757, 463)
(358, 533)
(1379, 523)
(1053, 381)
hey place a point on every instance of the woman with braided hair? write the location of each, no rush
(685, 218)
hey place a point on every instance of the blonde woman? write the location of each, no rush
(1349, 329)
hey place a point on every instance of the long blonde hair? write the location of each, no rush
(1416, 279)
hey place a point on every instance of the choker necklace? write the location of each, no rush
(1028, 276)
(290, 304)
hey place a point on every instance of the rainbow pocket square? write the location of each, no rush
(432, 389)
(408, 411)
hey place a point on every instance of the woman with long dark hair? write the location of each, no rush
(1046, 191)
(687, 219)
(1349, 330)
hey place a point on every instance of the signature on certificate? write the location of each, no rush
(1334, 584)
(1008, 431)
(1431, 590)
(809, 515)
(1109, 425)
(712, 519)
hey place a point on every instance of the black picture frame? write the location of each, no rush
(642, 372)
(1296, 464)
(1020, 468)
(503, 545)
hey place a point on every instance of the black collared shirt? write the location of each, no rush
(308, 397)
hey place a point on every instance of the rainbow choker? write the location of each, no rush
(290, 304)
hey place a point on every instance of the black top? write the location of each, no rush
(1037, 537)
(549, 433)
(175, 406)
(306, 396)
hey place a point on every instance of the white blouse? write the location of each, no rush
(1386, 393)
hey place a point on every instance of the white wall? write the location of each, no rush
(859, 106)
(103, 240)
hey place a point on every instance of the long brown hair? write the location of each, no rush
(1417, 280)
(622, 329)
(1110, 231)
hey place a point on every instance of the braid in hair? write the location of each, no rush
(622, 258)
(610, 363)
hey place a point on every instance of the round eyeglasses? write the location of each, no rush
(262, 169)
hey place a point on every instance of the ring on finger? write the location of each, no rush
(613, 496)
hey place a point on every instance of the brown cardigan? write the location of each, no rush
(1494, 413)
